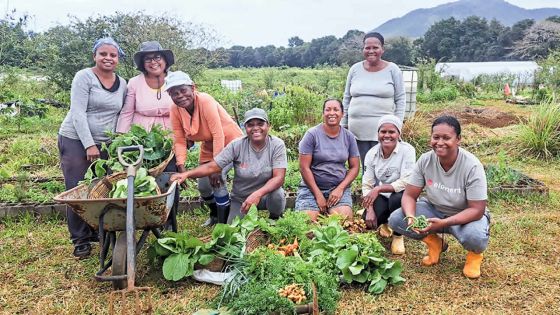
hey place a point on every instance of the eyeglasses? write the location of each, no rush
(153, 58)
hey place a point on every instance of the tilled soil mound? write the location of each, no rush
(486, 117)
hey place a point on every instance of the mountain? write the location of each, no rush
(416, 23)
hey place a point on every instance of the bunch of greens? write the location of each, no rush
(144, 185)
(291, 224)
(180, 252)
(157, 147)
(258, 278)
(418, 223)
(363, 262)
(357, 257)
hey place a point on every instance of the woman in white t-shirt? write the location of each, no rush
(455, 184)
(387, 168)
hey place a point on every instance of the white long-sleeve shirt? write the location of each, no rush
(393, 170)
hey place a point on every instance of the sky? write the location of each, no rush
(244, 22)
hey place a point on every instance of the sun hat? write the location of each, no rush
(177, 78)
(253, 113)
(107, 41)
(150, 47)
(390, 119)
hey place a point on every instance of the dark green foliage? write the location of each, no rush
(157, 147)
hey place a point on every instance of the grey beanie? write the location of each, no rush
(390, 119)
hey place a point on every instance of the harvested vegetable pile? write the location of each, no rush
(157, 148)
(144, 185)
(280, 273)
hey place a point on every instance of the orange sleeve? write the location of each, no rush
(209, 108)
(179, 138)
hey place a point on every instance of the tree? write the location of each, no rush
(399, 51)
(442, 39)
(69, 48)
(539, 40)
(295, 41)
(350, 48)
(13, 40)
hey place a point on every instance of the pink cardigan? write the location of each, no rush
(141, 106)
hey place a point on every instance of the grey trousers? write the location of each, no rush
(473, 236)
(274, 202)
(74, 164)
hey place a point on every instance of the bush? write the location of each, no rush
(540, 135)
(446, 93)
(298, 106)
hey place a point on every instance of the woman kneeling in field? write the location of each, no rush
(455, 184)
(259, 161)
(387, 168)
(323, 153)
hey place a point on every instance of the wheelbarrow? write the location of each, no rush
(117, 219)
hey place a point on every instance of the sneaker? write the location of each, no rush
(210, 222)
(82, 251)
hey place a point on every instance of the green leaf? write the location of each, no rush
(175, 267)
(347, 257)
(205, 259)
(356, 269)
(377, 287)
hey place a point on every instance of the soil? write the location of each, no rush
(486, 117)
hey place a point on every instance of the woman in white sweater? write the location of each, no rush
(387, 168)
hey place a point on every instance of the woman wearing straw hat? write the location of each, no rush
(96, 99)
(198, 116)
(145, 104)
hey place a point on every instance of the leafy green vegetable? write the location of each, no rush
(144, 185)
(157, 147)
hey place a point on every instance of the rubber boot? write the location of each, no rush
(223, 213)
(397, 245)
(213, 219)
(435, 247)
(385, 230)
(472, 265)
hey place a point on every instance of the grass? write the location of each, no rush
(521, 261)
(519, 273)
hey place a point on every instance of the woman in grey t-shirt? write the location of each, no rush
(323, 153)
(96, 98)
(455, 184)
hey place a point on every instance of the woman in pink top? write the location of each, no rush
(145, 104)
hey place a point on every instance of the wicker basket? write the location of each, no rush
(104, 186)
(156, 171)
(255, 239)
(216, 265)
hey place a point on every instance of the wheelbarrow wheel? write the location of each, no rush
(119, 262)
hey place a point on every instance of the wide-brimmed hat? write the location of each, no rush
(177, 78)
(150, 47)
(253, 113)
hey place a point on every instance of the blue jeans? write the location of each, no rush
(305, 200)
(473, 236)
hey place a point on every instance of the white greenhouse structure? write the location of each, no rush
(524, 71)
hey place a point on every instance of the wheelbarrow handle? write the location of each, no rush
(131, 167)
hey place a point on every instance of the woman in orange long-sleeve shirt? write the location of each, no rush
(198, 117)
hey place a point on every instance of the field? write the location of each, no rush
(519, 272)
